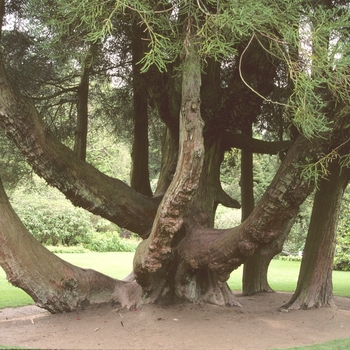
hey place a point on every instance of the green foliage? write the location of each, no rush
(342, 250)
(264, 169)
(110, 242)
(64, 249)
(60, 226)
(230, 173)
(53, 222)
(110, 157)
(227, 217)
(289, 258)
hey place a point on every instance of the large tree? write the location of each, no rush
(208, 68)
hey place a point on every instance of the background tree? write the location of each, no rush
(314, 288)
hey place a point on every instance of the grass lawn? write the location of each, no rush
(283, 275)
(338, 344)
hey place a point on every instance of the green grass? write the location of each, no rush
(338, 344)
(283, 275)
(117, 265)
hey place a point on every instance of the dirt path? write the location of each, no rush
(259, 325)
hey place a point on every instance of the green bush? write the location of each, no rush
(289, 257)
(57, 224)
(110, 242)
(71, 250)
(54, 223)
(342, 253)
(342, 250)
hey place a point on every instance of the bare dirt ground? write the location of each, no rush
(259, 325)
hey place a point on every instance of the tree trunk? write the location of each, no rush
(314, 288)
(189, 262)
(256, 267)
(154, 255)
(254, 279)
(53, 283)
(82, 105)
(139, 179)
(247, 185)
(170, 145)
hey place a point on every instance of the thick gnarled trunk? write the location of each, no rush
(53, 283)
(155, 254)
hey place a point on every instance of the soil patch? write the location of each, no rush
(258, 325)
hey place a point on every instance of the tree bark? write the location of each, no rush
(247, 185)
(53, 283)
(170, 145)
(186, 261)
(139, 179)
(154, 255)
(314, 288)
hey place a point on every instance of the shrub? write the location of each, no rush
(55, 222)
(52, 219)
(342, 254)
(289, 257)
(342, 250)
(110, 242)
(72, 250)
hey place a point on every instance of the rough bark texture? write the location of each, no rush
(154, 254)
(194, 264)
(53, 283)
(314, 288)
(82, 184)
(225, 250)
(139, 179)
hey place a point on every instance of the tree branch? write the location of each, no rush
(53, 283)
(227, 201)
(82, 184)
(58, 93)
(224, 250)
(231, 140)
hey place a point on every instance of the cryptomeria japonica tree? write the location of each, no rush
(206, 68)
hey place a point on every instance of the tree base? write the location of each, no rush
(309, 302)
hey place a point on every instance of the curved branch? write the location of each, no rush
(231, 140)
(53, 283)
(227, 201)
(224, 250)
(82, 184)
